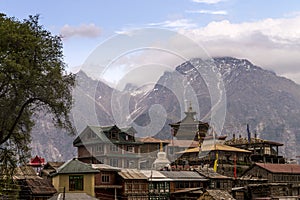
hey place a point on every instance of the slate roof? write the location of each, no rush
(210, 173)
(24, 172)
(280, 168)
(51, 167)
(218, 194)
(40, 186)
(183, 175)
(75, 166)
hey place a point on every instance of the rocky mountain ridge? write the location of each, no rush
(268, 103)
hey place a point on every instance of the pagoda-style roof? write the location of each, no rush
(189, 128)
(37, 161)
(243, 141)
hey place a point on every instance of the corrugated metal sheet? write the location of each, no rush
(132, 174)
(73, 196)
(216, 147)
(183, 143)
(75, 166)
(153, 140)
(183, 175)
(105, 167)
(280, 168)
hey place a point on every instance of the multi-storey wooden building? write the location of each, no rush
(134, 185)
(109, 145)
(262, 150)
(107, 185)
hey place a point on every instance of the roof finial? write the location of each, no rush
(190, 109)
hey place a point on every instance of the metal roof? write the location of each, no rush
(280, 168)
(73, 196)
(154, 175)
(153, 140)
(215, 147)
(101, 137)
(104, 167)
(132, 174)
(183, 143)
(183, 175)
(75, 166)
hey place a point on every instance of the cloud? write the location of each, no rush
(208, 1)
(176, 24)
(84, 30)
(269, 43)
(211, 12)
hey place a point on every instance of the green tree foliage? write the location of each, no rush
(33, 78)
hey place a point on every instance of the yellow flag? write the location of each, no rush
(216, 162)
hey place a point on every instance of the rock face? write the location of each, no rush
(268, 103)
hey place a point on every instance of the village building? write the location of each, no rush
(159, 185)
(226, 160)
(270, 180)
(31, 186)
(50, 168)
(262, 150)
(107, 185)
(216, 180)
(181, 181)
(109, 145)
(135, 185)
(75, 176)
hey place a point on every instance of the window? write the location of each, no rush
(113, 162)
(113, 148)
(75, 183)
(99, 148)
(130, 149)
(105, 178)
(113, 134)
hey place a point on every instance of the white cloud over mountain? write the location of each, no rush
(270, 43)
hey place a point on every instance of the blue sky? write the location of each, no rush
(267, 32)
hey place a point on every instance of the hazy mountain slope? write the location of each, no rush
(269, 103)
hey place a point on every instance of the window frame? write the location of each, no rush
(76, 183)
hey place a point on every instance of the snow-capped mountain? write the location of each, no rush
(268, 103)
